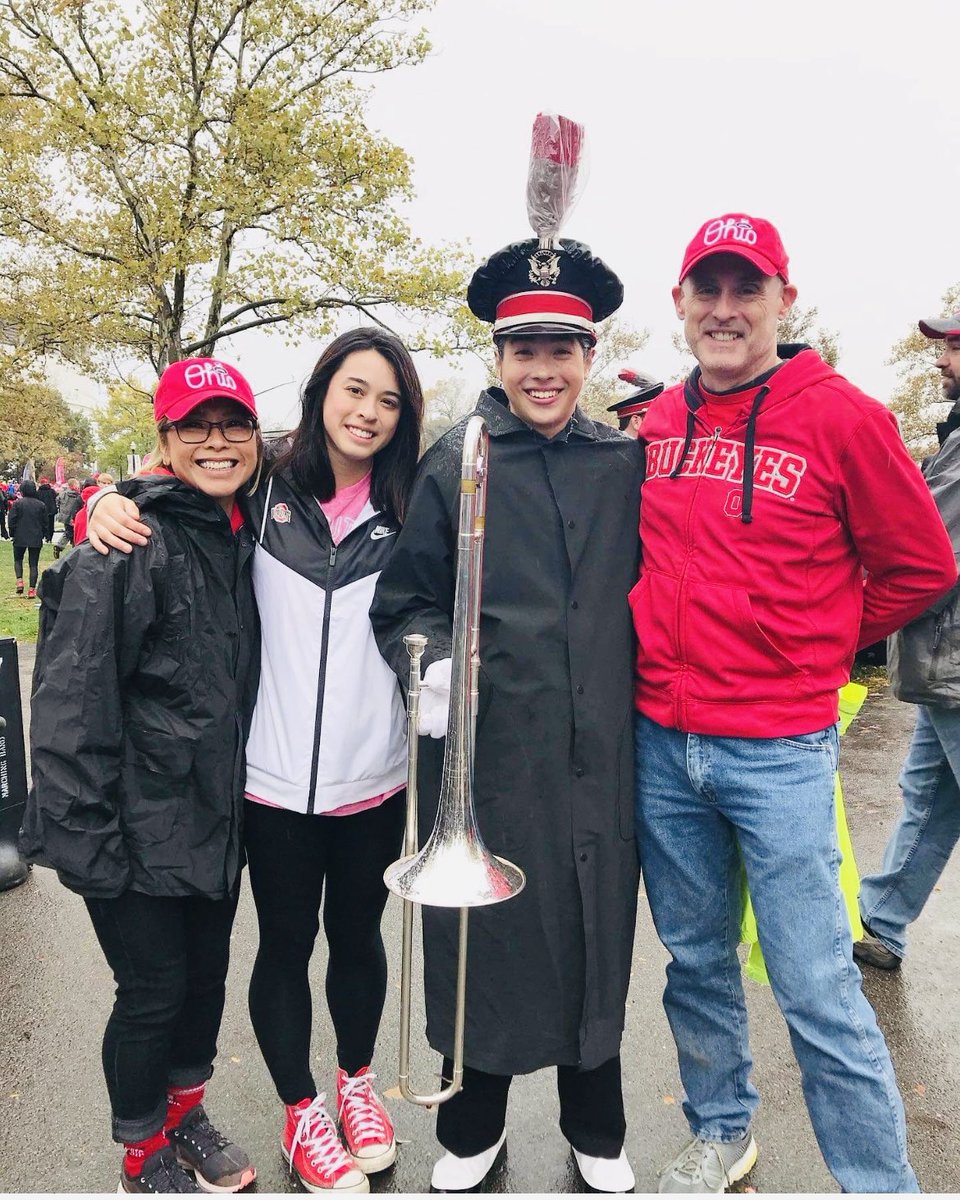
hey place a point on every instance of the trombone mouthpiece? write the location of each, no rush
(415, 643)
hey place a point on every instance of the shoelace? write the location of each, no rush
(169, 1177)
(317, 1134)
(690, 1167)
(359, 1103)
(204, 1134)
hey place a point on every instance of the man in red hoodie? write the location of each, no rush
(770, 487)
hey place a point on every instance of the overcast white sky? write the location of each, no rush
(835, 119)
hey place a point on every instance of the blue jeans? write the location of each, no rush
(702, 804)
(927, 832)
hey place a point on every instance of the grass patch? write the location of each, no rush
(18, 615)
(874, 679)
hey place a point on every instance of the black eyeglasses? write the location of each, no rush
(195, 432)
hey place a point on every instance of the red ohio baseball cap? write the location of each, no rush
(185, 384)
(751, 238)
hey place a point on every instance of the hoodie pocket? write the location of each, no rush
(731, 657)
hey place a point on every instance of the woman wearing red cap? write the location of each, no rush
(326, 756)
(145, 678)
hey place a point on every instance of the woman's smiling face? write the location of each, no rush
(361, 411)
(216, 466)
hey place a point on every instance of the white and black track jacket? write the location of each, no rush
(329, 727)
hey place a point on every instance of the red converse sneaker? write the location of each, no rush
(313, 1150)
(364, 1123)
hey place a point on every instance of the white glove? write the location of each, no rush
(435, 699)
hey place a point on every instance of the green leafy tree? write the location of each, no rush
(126, 420)
(176, 171)
(37, 423)
(918, 398)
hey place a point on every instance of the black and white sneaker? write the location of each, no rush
(159, 1173)
(219, 1165)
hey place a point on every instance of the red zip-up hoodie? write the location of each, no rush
(751, 600)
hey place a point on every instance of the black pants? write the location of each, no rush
(169, 957)
(34, 560)
(297, 861)
(591, 1110)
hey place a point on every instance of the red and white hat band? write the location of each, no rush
(548, 308)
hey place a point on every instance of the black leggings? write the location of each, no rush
(169, 957)
(34, 560)
(293, 858)
(591, 1110)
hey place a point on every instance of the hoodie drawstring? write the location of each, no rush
(686, 445)
(746, 514)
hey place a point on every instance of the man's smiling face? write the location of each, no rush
(543, 377)
(730, 311)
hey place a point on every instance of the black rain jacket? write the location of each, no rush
(28, 521)
(547, 970)
(49, 497)
(144, 683)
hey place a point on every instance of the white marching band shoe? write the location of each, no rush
(606, 1174)
(453, 1174)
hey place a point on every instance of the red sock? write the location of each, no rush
(179, 1102)
(136, 1152)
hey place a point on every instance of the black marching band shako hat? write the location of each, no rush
(544, 285)
(647, 389)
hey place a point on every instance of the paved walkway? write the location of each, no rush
(55, 993)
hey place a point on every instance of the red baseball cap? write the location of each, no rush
(941, 327)
(751, 238)
(185, 384)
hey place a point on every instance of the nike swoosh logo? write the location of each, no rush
(381, 533)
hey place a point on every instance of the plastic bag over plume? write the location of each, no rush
(557, 173)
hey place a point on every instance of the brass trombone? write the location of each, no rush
(454, 869)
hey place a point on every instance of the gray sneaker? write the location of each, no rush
(874, 953)
(709, 1166)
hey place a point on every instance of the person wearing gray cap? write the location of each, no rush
(923, 668)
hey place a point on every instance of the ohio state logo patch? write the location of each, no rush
(730, 230)
(281, 514)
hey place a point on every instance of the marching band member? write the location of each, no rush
(631, 411)
(548, 970)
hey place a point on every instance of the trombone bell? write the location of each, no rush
(454, 872)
